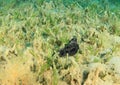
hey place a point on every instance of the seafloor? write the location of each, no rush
(33, 31)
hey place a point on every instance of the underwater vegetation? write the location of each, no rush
(38, 47)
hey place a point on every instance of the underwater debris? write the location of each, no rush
(70, 48)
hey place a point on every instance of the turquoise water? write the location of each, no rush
(83, 3)
(95, 6)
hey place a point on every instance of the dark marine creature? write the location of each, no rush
(70, 48)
